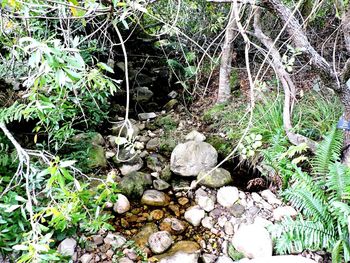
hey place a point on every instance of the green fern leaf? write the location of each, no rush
(338, 181)
(328, 152)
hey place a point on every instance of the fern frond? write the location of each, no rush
(338, 181)
(328, 151)
(310, 205)
(295, 236)
(302, 180)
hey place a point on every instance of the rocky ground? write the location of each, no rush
(163, 213)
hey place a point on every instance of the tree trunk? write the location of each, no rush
(224, 91)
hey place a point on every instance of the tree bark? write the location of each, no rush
(224, 91)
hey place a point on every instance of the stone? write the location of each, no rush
(86, 258)
(270, 197)
(157, 214)
(185, 246)
(97, 239)
(284, 211)
(129, 168)
(96, 157)
(142, 94)
(256, 197)
(227, 196)
(122, 204)
(155, 198)
(194, 215)
(173, 225)
(279, 259)
(180, 185)
(109, 253)
(160, 184)
(141, 238)
(146, 116)
(125, 156)
(67, 247)
(116, 241)
(134, 184)
(190, 158)
(125, 260)
(181, 257)
(208, 258)
(160, 241)
(253, 241)
(205, 202)
(195, 136)
(183, 201)
(237, 210)
(217, 178)
(156, 162)
(208, 222)
(228, 228)
(224, 259)
(153, 144)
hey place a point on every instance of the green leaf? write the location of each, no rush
(105, 67)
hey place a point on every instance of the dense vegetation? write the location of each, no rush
(67, 70)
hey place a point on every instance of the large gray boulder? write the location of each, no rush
(190, 158)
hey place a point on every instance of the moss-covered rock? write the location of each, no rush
(134, 184)
(96, 157)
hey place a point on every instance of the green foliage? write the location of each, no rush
(323, 201)
(65, 206)
(233, 253)
(328, 152)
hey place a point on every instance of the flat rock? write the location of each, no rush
(253, 241)
(227, 196)
(194, 215)
(190, 158)
(217, 178)
(160, 241)
(155, 198)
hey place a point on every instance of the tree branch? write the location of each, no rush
(300, 40)
(287, 84)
